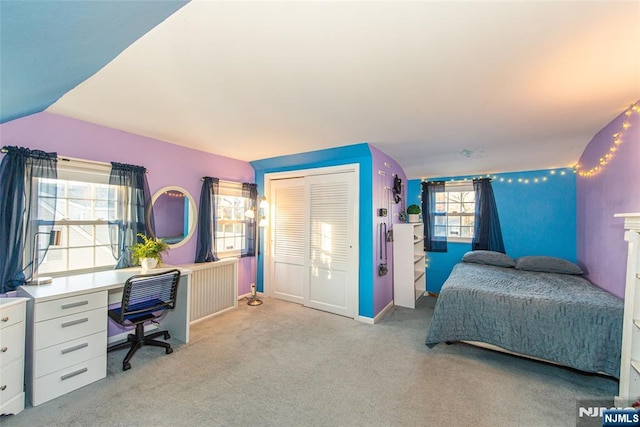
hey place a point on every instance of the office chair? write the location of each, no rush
(145, 297)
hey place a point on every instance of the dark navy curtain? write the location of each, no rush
(486, 234)
(206, 246)
(435, 230)
(27, 206)
(132, 213)
(250, 194)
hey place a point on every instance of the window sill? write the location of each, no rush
(459, 240)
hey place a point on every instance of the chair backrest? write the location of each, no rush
(145, 293)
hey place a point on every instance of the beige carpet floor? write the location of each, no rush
(281, 364)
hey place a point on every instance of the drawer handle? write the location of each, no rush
(74, 304)
(4, 349)
(73, 374)
(3, 388)
(5, 319)
(75, 322)
(75, 347)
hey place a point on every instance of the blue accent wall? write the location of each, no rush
(537, 212)
(358, 153)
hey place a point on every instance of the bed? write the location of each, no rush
(554, 316)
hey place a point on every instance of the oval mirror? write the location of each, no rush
(174, 215)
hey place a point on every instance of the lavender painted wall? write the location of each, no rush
(614, 189)
(167, 164)
(383, 285)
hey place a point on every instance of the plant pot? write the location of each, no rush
(148, 263)
(414, 217)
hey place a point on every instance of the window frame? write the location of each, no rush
(458, 187)
(230, 189)
(70, 171)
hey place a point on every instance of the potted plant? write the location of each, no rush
(413, 211)
(149, 252)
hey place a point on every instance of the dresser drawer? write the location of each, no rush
(11, 315)
(65, 380)
(71, 305)
(67, 328)
(11, 380)
(11, 343)
(56, 357)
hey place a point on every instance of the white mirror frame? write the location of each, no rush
(193, 213)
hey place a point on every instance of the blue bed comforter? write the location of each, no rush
(558, 317)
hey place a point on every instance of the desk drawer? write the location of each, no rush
(11, 343)
(71, 305)
(56, 357)
(67, 328)
(11, 315)
(68, 379)
(11, 380)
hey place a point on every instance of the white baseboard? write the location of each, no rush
(383, 312)
(248, 295)
(363, 319)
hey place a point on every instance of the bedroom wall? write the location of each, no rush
(167, 164)
(613, 189)
(384, 170)
(537, 217)
(357, 153)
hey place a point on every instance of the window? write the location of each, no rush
(84, 199)
(230, 220)
(455, 211)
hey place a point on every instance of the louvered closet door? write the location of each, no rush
(288, 239)
(330, 274)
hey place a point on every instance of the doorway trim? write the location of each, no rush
(301, 173)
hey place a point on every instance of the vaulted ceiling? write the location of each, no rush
(443, 87)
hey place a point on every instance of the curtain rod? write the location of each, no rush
(67, 158)
(224, 181)
(93, 162)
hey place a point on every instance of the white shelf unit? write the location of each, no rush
(629, 387)
(409, 280)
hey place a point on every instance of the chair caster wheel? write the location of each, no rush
(126, 366)
(167, 336)
(448, 342)
(169, 350)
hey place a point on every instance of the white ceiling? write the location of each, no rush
(445, 88)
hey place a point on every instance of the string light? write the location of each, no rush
(544, 177)
(617, 138)
(174, 194)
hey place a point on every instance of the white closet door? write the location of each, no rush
(331, 281)
(288, 239)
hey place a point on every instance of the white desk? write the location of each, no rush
(67, 329)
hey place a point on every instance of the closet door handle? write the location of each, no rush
(75, 322)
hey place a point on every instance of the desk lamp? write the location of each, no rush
(54, 240)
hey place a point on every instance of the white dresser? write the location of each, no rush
(12, 340)
(66, 344)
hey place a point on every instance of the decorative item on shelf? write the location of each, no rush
(413, 212)
(54, 240)
(149, 252)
